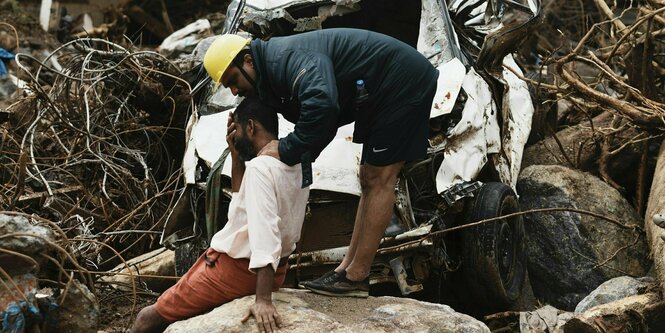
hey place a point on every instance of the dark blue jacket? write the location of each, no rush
(310, 78)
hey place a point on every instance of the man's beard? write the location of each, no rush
(245, 148)
(246, 93)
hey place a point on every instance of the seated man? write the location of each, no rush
(249, 255)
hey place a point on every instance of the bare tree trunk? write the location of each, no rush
(657, 205)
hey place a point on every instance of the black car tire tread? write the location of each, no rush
(481, 249)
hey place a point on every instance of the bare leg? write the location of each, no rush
(374, 213)
(149, 321)
(356, 231)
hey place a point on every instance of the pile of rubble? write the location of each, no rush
(92, 135)
(96, 143)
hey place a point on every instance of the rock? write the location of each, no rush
(655, 207)
(581, 149)
(25, 283)
(302, 311)
(79, 311)
(7, 87)
(564, 248)
(26, 245)
(7, 41)
(158, 262)
(612, 290)
(639, 313)
(545, 319)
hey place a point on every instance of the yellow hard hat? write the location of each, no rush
(220, 54)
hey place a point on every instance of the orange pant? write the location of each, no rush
(214, 279)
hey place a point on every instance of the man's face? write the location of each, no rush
(238, 83)
(243, 144)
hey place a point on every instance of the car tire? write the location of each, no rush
(493, 256)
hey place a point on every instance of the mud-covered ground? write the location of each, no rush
(118, 309)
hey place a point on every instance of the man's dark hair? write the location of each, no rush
(240, 57)
(253, 108)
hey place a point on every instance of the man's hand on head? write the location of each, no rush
(265, 313)
(230, 135)
(271, 149)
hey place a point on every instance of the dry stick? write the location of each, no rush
(636, 139)
(561, 148)
(22, 163)
(632, 29)
(638, 115)
(165, 17)
(646, 60)
(502, 315)
(596, 261)
(581, 148)
(506, 329)
(138, 275)
(582, 108)
(605, 69)
(637, 237)
(658, 18)
(66, 290)
(533, 82)
(640, 187)
(604, 159)
(602, 5)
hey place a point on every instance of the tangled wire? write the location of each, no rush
(97, 144)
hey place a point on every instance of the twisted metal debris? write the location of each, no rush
(96, 146)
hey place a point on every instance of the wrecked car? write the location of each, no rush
(479, 123)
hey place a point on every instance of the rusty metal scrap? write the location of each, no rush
(98, 149)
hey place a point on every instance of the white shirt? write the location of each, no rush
(266, 215)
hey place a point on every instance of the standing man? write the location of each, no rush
(249, 255)
(320, 81)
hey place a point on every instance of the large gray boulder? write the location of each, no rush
(21, 285)
(302, 311)
(570, 254)
(613, 290)
(78, 311)
(26, 238)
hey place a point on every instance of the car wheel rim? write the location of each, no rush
(506, 252)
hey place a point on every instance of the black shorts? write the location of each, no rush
(404, 138)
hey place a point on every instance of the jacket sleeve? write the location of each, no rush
(312, 80)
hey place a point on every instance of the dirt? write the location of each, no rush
(30, 33)
(116, 313)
